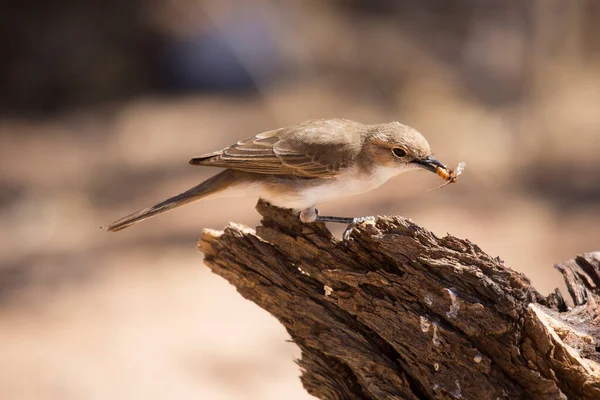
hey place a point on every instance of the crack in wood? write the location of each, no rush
(398, 313)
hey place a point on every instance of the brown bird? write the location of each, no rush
(301, 165)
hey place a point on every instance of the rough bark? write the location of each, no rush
(399, 313)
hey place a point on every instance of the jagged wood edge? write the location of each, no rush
(401, 313)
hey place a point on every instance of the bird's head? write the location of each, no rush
(394, 145)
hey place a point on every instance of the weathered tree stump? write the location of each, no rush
(398, 313)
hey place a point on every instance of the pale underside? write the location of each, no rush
(301, 196)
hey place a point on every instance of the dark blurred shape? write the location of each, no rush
(203, 62)
(567, 188)
(76, 53)
(492, 47)
(471, 37)
(235, 56)
(70, 52)
(9, 192)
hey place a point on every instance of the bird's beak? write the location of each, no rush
(429, 163)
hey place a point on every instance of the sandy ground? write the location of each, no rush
(90, 315)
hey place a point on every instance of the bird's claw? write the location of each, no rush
(355, 221)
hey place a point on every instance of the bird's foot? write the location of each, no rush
(312, 215)
(355, 221)
(351, 221)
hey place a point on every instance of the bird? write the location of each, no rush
(302, 165)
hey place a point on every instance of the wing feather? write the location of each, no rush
(313, 149)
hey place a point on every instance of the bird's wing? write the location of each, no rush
(314, 149)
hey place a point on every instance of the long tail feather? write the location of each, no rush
(215, 184)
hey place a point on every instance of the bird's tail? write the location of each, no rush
(215, 184)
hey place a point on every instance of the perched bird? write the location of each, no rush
(301, 165)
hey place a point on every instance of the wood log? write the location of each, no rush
(396, 312)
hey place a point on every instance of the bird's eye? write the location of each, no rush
(398, 152)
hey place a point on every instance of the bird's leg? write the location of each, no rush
(343, 220)
(338, 220)
(311, 214)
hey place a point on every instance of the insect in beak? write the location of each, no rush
(448, 174)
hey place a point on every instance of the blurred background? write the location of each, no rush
(103, 102)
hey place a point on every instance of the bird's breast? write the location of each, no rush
(311, 192)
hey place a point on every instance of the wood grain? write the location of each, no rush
(399, 313)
